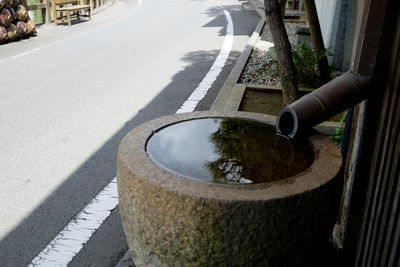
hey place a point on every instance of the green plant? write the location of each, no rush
(338, 136)
(305, 61)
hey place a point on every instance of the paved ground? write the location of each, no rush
(68, 96)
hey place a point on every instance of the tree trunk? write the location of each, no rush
(318, 42)
(287, 71)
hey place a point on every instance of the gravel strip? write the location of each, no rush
(259, 68)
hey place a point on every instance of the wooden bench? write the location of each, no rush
(66, 7)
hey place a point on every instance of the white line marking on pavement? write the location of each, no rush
(30, 51)
(67, 244)
(201, 91)
(25, 53)
(63, 248)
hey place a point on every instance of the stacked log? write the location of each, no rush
(15, 23)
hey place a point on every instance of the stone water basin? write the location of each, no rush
(215, 189)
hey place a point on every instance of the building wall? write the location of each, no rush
(326, 13)
(338, 24)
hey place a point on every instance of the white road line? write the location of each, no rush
(63, 248)
(26, 53)
(30, 51)
(201, 91)
(67, 244)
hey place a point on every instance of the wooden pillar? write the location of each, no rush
(282, 3)
(47, 12)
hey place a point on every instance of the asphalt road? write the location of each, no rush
(68, 96)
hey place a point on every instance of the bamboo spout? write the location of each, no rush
(330, 99)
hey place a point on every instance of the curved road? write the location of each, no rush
(68, 96)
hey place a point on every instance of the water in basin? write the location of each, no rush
(225, 150)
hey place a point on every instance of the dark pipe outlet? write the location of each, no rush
(330, 99)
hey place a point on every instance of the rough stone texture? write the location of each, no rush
(173, 221)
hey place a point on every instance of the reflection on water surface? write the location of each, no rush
(226, 150)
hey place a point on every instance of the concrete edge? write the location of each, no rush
(274, 88)
(226, 90)
(235, 99)
(329, 127)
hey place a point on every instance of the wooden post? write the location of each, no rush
(47, 19)
(282, 3)
(318, 42)
(43, 13)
